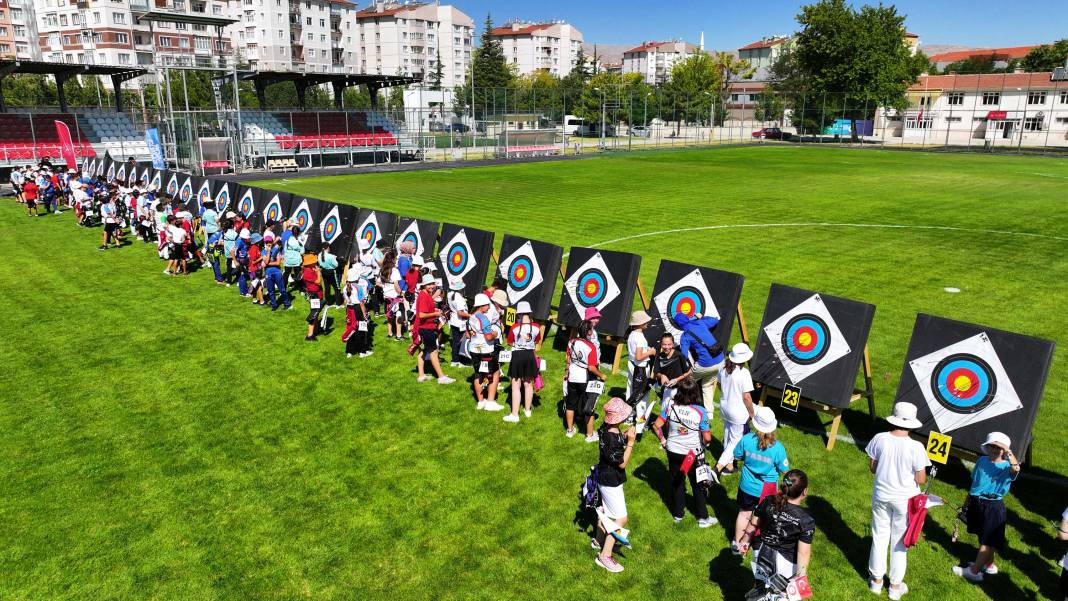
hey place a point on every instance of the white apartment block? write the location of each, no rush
(311, 36)
(654, 60)
(406, 39)
(530, 47)
(1011, 109)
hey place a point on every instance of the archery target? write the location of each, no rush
(592, 284)
(110, 175)
(806, 339)
(301, 217)
(172, 185)
(247, 204)
(522, 271)
(411, 234)
(330, 226)
(457, 257)
(689, 296)
(273, 211)
(965, 383)
(222, 197)
(204, 193)
(121, 173)
(157, 179)
(146, 175)
(369, 230)
(185, 192)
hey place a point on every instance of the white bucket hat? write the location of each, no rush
(904, 416)
(740, 353)
(523, 307)
(456, 285)
(428, 280)
(364, 244)
(997, 439)
(639, 318)
(481, 300)
(418, 261)
(764, 420)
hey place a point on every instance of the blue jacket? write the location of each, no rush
(697, 340)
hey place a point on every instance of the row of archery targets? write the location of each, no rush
(965, 379)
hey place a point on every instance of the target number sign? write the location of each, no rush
(938, 446)
(509, 316)
(791, 397)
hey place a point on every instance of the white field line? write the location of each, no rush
(1043, 174)
(944, 228)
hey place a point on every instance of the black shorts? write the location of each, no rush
(111, 227)
(487, 359)
(17, 187)
(31, 202)
(746, 501)
(177, 254)
(578, 400)
(428, 337)
(523, 365)
(313, 314)
(986, 519)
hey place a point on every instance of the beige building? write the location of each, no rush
(763, 53)
(654, 60)
(530, 47)
(407, 39)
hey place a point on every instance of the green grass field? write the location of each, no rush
(165, 439)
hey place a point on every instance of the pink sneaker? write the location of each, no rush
(609, 563)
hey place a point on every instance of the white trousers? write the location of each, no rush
(889, 521)
(732, 435)
(707, 378)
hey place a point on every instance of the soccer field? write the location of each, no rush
(163, 438)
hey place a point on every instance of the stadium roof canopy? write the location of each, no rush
(64, 71)
(166, 16)
(338, 81)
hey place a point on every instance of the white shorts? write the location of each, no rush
(615, 506)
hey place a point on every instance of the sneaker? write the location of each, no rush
(874, 587)
(311, 339)
(593, 437)
(707, 522)
(526, 413)
(594, 544)
(422, 378)
(493, 406)
(677, 519)
(165, 271)
(348, 355)
(967, 573)
(445, 380)
(570, 433)
(367, 353)
(898, 592)
(512, 419)
(990, 569)
(456, 364)
(289, 308)
(609, 564)
(481, 405)
(714, 475)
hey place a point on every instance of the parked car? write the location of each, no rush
(458, 128)
(575, 126)
(609, 130)
(772, 133)
(640, 131)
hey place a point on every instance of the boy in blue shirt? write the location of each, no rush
(994, 473)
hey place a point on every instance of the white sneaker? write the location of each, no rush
(899, 592)
(677, 520)
(456, 364)
(593, 437)
(570, 433)
(707, 522)
(990, 570)
(445, 380)
(493, 406)
(367, 353)
(348, 355)
(875, 588)
(968, 574)
(422, 378)
(526, 412)
(512, 419)
(481, 405)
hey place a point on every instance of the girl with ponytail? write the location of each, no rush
(785, 530)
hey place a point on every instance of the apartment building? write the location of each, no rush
(654, 60)
(530, 47)
(312, 36)
(407, 39)
(1001, 56)
(763, 53)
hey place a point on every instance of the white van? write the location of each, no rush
(575, 126)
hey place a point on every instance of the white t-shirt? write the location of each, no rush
(635, 342)
(525, 336)
(389, 291)
(457, 303)
(899, 458)
(493, 314)
(177, 234)
(581, 354)
(479, 325)
(734, 385)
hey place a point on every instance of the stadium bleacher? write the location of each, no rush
(318, 130)
(25, 136)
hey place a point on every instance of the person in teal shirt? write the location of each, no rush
(293, 257)
(229, 241)
(764, 459)
(209, 218)
(994, 473)
(328, 266)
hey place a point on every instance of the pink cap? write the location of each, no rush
(592, 313)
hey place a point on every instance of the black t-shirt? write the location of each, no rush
(613, 445)
(673, 366)
(784, 529)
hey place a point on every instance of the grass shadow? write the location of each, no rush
(655, 474)
(729, 573)
(830, 523)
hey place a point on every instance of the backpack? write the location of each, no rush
(590, 495)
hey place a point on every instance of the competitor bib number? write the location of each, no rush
(703, 473)
(595, 387)
(483, 367)
(504, 357)
(315, 303)
(361, 326)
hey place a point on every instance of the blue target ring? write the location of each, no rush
(963, 383)
(592, 287)
(330, 227)
(806, 339)
(413, 238)
(521, 273)
(302, 218)
(686, 300)
(369, 233)
(457, 259)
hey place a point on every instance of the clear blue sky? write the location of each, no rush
(732, 23)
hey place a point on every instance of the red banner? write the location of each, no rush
(997, 115)
(66, 145)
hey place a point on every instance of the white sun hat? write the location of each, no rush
(764, 420)
(904, 416)
(740, 353)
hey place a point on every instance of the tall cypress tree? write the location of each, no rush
(491, 73)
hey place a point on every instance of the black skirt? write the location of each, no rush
(523, 365)
(986, 519)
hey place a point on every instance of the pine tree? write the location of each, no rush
(437, 75)
(490, 71)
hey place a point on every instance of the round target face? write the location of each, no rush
(411, 237)
(520, 273)
(186, 193)
(963, 383)
(592, 287)
(805, 339)
(301, 219)
(246, 206)
(274, 210)
(686, 300)
(369, 233)
(458, 258)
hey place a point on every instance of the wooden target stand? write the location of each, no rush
(770, 392)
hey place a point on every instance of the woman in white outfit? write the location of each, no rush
(899, 465)
(735, 403)
(638, 355)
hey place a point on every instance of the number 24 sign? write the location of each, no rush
(938, 446)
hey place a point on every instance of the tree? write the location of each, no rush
(693, 88)
(856, 61)
(1047, 57)
(490, 70)
(769, 106)
(979, 64)
(730, 70)
(438, 74)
